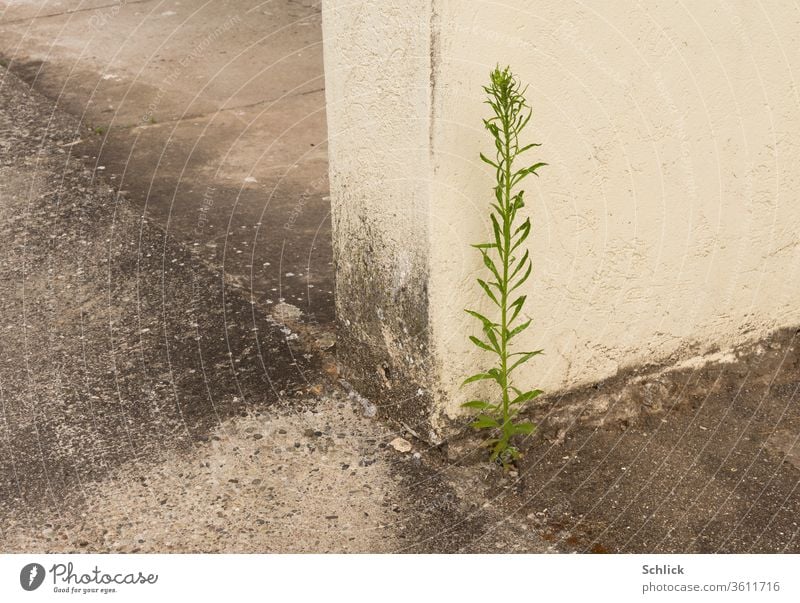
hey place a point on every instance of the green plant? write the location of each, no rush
(509, 266)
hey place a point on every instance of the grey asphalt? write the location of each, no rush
(209, 115)
(147, 405)
(117, 342)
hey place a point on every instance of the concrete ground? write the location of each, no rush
(167, 373)
(210, 115)
(699, 457)
(148, 405)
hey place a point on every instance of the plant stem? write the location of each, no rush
(506, 251)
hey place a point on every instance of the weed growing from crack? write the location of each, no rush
(508, 265)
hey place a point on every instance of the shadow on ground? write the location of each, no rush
(149, 406)
(115, 339)
(699, 459)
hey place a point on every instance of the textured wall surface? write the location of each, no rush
(667, 222)
(377, 66)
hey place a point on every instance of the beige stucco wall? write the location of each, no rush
(667, 223)
(377, 74)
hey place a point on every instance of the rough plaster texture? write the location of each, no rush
(377, 72)
(667, 223)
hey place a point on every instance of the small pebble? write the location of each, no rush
(401, 445)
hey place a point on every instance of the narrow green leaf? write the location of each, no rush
(483, 245)
(522, 236)
(498, 144)
(486, 322)
(523, 230)
(489, 161)
(524, 357)
(514, 312)
(497, 234)
(477, 377)
(487, 261)
(488, 291)
(517, 306)
(522, 124)
(492, 338)
(481, 344)
(528, 147)
(527, 396)
(519, 329)
(521, 174)
(484, 421)
(532, 169)
(523, 278)
(477, 405)
(495, 374)
(519, 266)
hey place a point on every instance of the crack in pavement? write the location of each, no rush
(207, 114)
